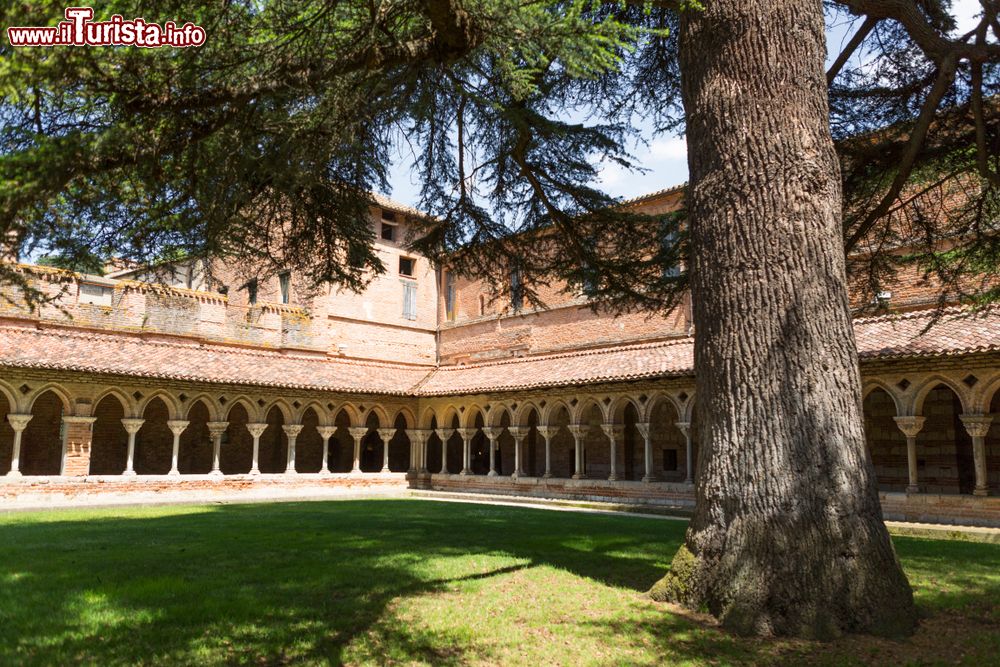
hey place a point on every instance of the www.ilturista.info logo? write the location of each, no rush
(79, 30)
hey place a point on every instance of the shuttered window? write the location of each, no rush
(410, 300)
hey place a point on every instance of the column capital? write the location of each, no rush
(19, 422)
(643, 428)
(132, 426)
(910, 426)
(683, 426)
(386, 434)
(292, 430)
(216, 429)
(445, 433)
(79, 420)
(978, 426)
(326, 432)
(492, 432)
(519, 432)
(358, 432)
(578, 430)
(547, 432)
(256, 429)
(613, 431)
(467, 433)
(418, 435)
(177, 426)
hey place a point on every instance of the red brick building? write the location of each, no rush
(181, 379)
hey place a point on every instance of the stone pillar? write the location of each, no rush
(685, 428)
(176, 427)
(292, 432)
(910, 426)
(615, 432)
(132, 427)
(978, 426)
(444, 434)
(492, 434)
(547, 433)
(578, 431)
(256, 430)
(467, 434)
(216, 429)
(326, 432)
(357, 432)
(417, 438)
(647, 458)
(386, 434)
(18, 423)
(77, 442)
(519, 433)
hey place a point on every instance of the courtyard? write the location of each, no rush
(414, 582)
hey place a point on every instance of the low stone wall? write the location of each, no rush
(942, 508)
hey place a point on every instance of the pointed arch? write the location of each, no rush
(932, 382)
(8, 392)
(553, 407)
(173, 405)
(469, 417)
(127, 403)
(283, 406)
(583, 408)
(60, 392)
(616, 411)
(210, 405)
(323, 417)
(868, 386)
(520, 416)
(380, 414)
(350, 410)
(427, 418)
(446, 417)
(656, 400)
(253, 414)
(109, 439)
(407, 415)
(984, 398)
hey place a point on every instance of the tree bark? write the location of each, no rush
(787, 537)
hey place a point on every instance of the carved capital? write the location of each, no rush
(445, 433)
(358, 432)
(326, 432)
(492, 432)
(19, 422)
(519, 432)
(643, 428)
(292, 430)
(216, 429)
(910, 426)
(89, 421)
(578, 430)
(977, 425)
(615, 432)
(256, 429)
(418, 436)
(684, 427)
(132, 426)
(547, 432)
(467, 434)
(177, 426)
(386, 434)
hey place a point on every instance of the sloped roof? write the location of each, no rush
(23, 345)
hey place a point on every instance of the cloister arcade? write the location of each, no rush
(929, 432)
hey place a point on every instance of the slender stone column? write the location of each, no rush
(492, 434)
(292, 432)
(216, 429)
(615, 432)
(978, 426)
(519, 433)
(910, 426)
(176, 427)
(650, 476)
(256, 430)
(578, 431)
(467, 434)
(132, 427)
(326, 432)
(444, 434)
(18, 423)
(547, 433)
(417, 438)
(357, 432)
(386, 434)
(685, 428)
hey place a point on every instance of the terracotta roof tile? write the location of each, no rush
(892, 336)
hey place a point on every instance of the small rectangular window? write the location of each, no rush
(410, 301)
(406, 265)
(449, 296)
(516, 290)
(252, 292)
(285, 281)
(668, 241)
(670, 459)
(388, 215)
(388, 232)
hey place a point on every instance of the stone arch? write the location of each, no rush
(210, 405)
(341, 454)
(287, 412)
(428, 418)
(553, 407)
(371, 443)
(469, 416)
(109, 439)
(944, 447)
(42, 440)
(128, 404)
(986, 395)
(409, 419)
(885, 443)
(58, 391)
(309, 443)
(236, 451)
(929, 385)
(169, 401)
(586, 406)
(195, 448)
(352, 412)
(399, 445)
(868, 386)
(154, 443)
(689, 410)
(667, 443)
(656, 400)
(630, 465)
(322, 414)
(433, 446)
(449, 417)
(596, 448)
(381, 419)
(273, 452)
(519, 417)
(616, 411)
(7, 392)
(249, 406)
(557, 416)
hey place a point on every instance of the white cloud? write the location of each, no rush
(966, 14)
(669, 148)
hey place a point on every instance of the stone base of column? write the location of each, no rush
(650, 478)
(913, 489)
(981, 492)
(325, 472)
(579, 475)
(14, 474)
(174, 473)
(254, 471)
(215, 473)
(128, 473)
(384, 470)
(466, 472)
(613, 478)
(291, 471)
(356, 472)
(547, 475)
(492, 473)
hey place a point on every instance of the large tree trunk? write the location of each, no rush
(787, 537)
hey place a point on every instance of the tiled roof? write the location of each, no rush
(892, 336)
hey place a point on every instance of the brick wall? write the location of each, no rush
(886, 443)
(41, 442)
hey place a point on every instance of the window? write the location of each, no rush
(668, 241)
(410, 300)
(96, 295)
(669, 459)
(388, 232)
(406, 265)
(449, 296)
(482, 305)
(252, 292)
(285, 282)
(388, 215)
(516, 290)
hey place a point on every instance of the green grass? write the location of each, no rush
(411, 582)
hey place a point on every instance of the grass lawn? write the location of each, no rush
(410, 582)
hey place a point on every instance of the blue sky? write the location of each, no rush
(664, 156)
